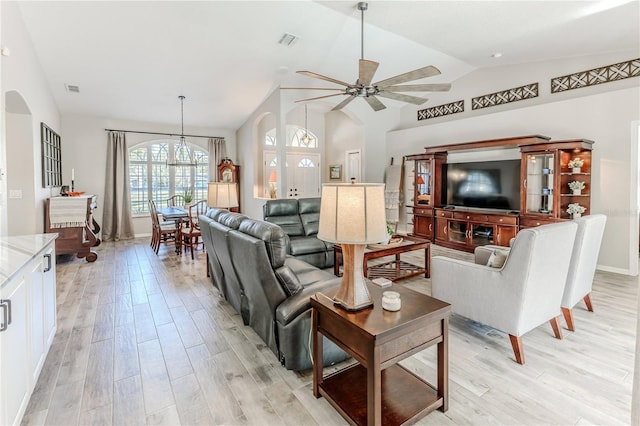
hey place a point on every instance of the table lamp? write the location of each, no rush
(419, 181)
(222, 195)
(353, 215)
(273, 180)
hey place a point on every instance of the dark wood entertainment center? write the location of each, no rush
(544, 191)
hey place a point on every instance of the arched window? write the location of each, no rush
(296, 136)
(306, 162)
(151, 179)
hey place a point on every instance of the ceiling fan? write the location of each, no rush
(387, 88)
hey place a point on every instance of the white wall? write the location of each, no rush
(343, 134)
(603, 117)
(85, 147)
(22, 73)
(19, 134)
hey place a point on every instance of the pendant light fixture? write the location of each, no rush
(306, 139)
(183, 156)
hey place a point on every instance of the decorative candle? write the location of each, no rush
(73, 174)
(391, 301)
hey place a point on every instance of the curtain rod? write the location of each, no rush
(162, 134)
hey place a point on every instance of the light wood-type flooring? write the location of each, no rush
(146, 339)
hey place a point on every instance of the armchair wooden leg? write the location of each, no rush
(568, 318)
(518, 349)
(587, 301)
(555, 324)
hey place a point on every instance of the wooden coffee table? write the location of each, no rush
(394, 270)
(376, 390)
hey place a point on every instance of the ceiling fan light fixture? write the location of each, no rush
(183, 156)
(387, 88)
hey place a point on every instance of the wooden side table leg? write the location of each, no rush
(374, 389)
(443, 366)
(427, 261)
(316, 353)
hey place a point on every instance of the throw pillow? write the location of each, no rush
(497, 258)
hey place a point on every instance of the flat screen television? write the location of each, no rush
(485, 184)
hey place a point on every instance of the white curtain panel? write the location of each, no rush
(116, 217)
(217, 152)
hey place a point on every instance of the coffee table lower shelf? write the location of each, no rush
(405, 397)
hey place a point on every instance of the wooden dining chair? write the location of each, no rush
(175, 201)
(161, 233)
(190, 234)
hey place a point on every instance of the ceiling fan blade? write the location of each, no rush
(428, 71)
(374, 103)
(402, 97)
(312, 88)
(419, 88)
(319, 97)
(366, 71)
(323, 77)
(343, 103)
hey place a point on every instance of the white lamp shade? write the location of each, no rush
(222, 195)
(352, 213)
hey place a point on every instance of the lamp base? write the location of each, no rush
(353, 294)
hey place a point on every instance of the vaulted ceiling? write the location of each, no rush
(131, 60)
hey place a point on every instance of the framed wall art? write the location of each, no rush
(335, 172)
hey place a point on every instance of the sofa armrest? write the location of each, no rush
(300, 302)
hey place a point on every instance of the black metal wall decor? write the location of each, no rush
(51, 157)
(515, 94)
(605, 74)
(441, 110)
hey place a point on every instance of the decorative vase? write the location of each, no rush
(576, 215)
(577, 191)
(576, 170)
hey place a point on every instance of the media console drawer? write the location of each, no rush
(504, 220)
(474, 217)
(531, 222)
(444, 213)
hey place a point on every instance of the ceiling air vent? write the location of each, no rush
(287, 39)
(72, 88)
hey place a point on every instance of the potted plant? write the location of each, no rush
(576, 186)
(390, 232)
(575, 210)
(188, 197)
(576, 164)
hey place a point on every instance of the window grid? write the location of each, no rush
(151, 178)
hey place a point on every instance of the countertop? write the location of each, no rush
(15, 252)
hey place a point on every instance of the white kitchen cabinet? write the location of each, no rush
(27, 318)
(14, 350)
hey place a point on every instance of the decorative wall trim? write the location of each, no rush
(605, 74)
(441, 110)
(505, 96)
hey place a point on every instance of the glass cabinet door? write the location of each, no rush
(539, 183)
(482, 235)
(423, 182)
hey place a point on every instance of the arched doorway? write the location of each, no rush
(18, 185)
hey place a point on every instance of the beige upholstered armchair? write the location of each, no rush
(583, 264)
(517, 297)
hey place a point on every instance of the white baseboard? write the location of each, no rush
(614, 270)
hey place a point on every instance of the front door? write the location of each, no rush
(303, 175)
